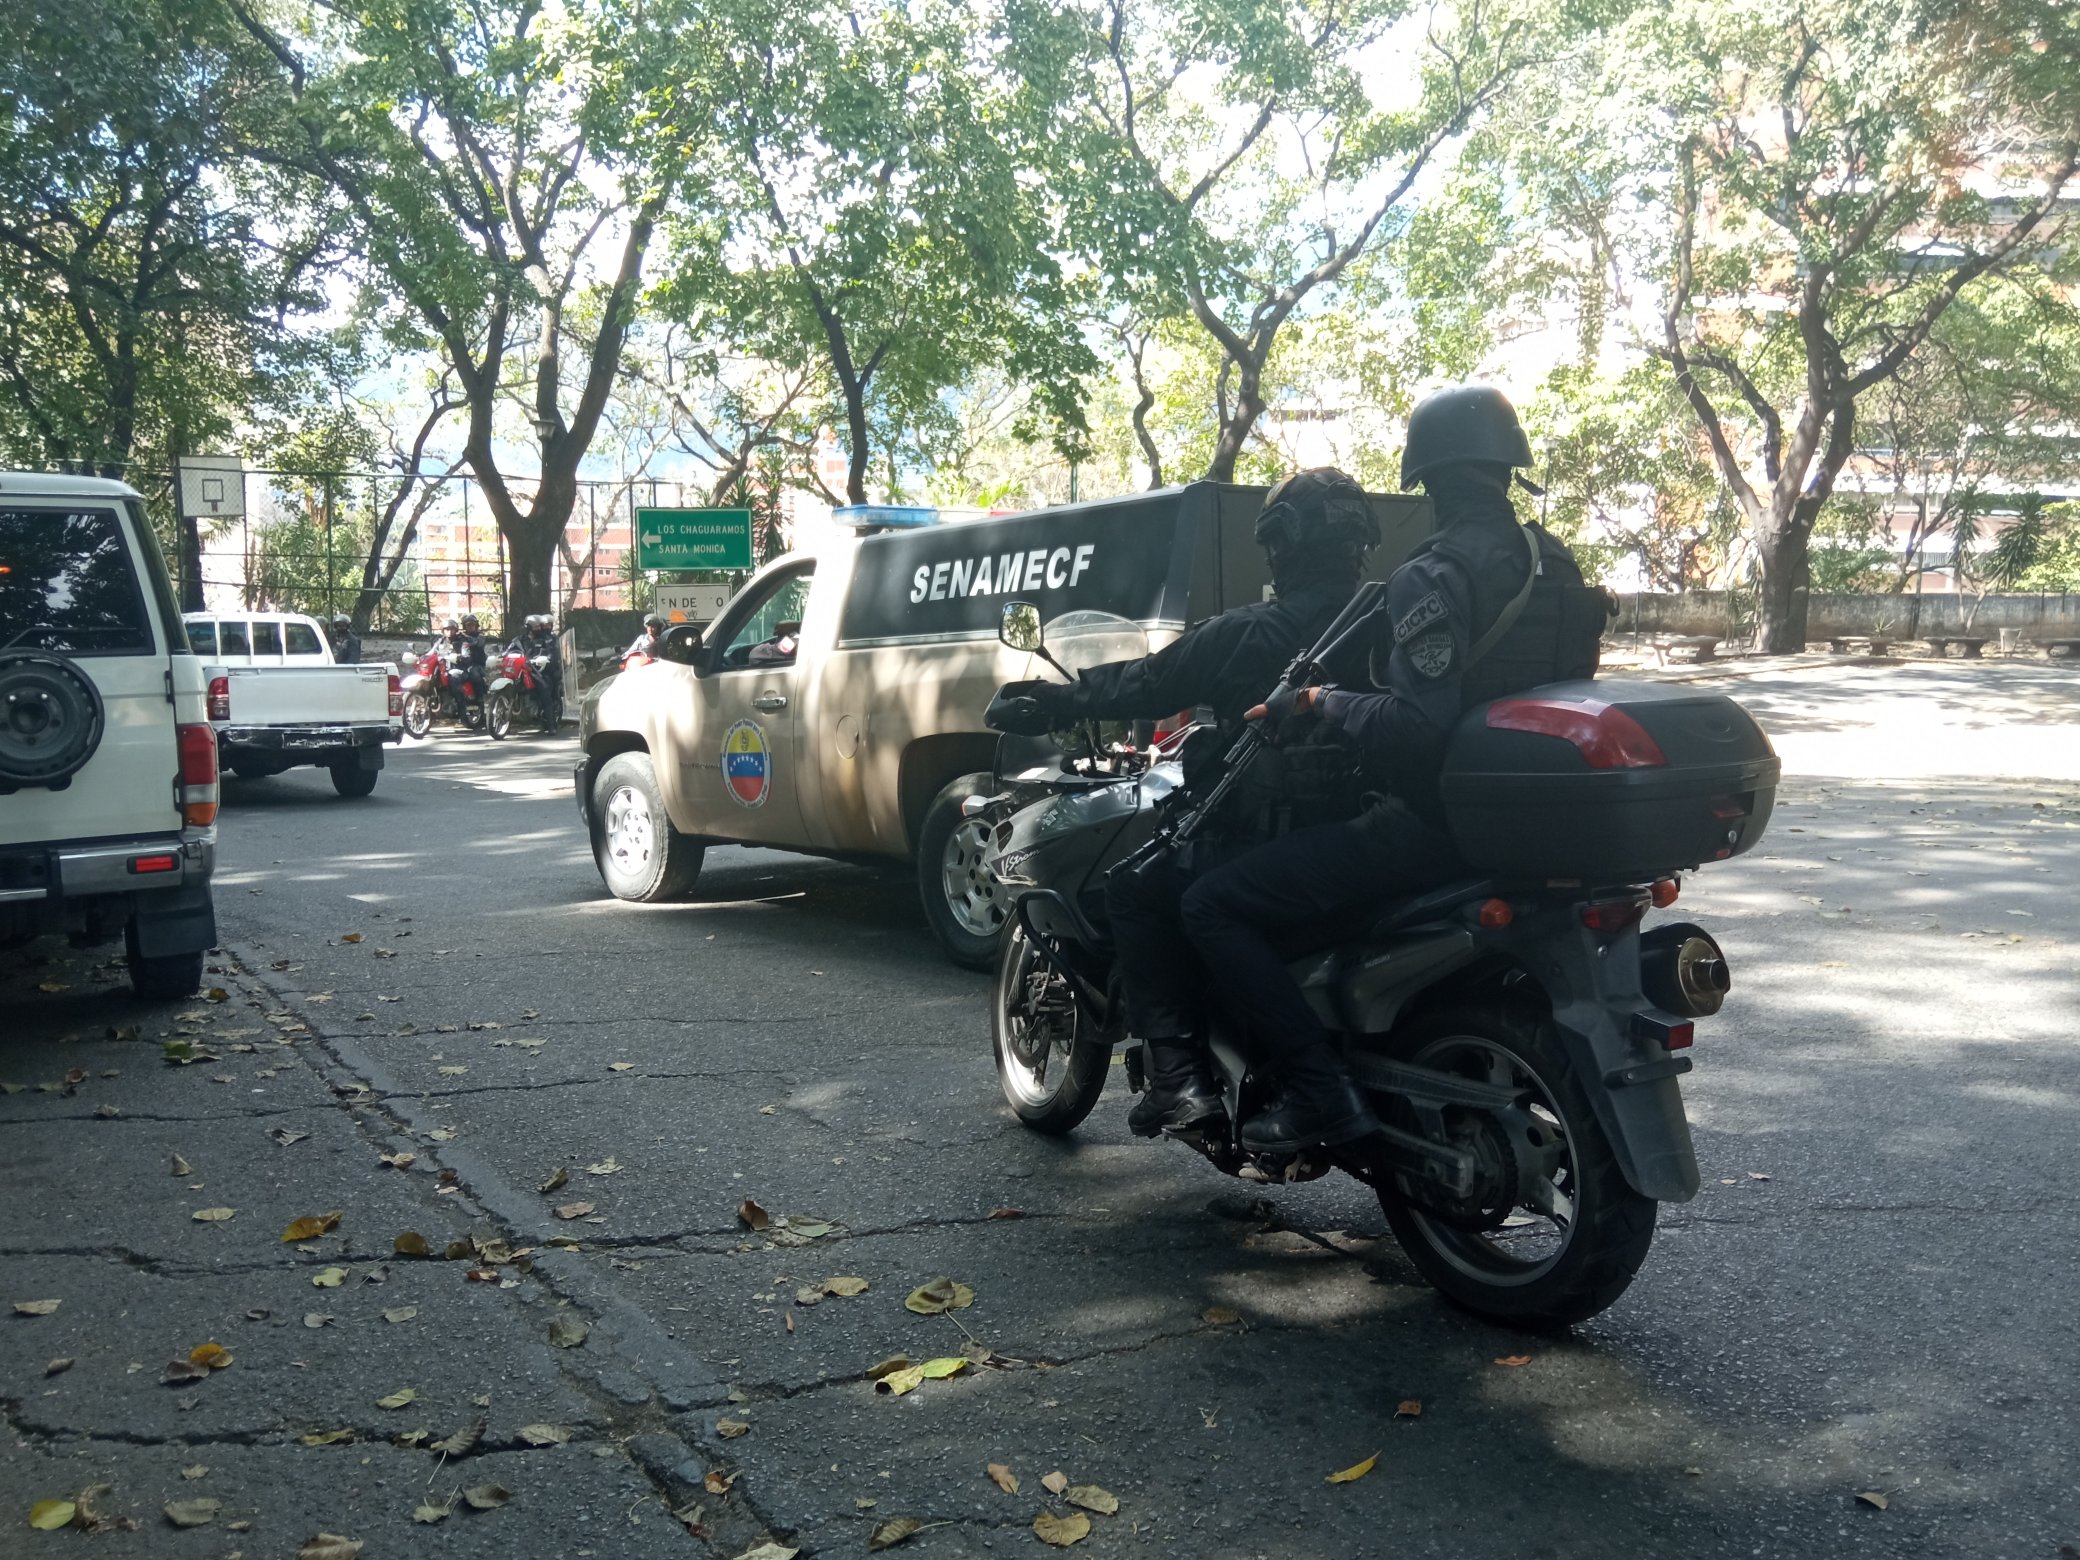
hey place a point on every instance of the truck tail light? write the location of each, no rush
(165, 862)
(197, 786)
(396, 695)
(1602, 733)
(220, 698)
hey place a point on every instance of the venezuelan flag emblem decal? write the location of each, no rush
(747, 764)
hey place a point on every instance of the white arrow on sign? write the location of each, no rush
(651, 539)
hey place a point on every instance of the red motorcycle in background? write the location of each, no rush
(520, 692)
(440, 688)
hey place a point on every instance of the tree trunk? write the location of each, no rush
(1785, 587)
(858, 449)
(530, 560)
(1240, 422)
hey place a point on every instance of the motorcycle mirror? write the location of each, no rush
(1020, 628)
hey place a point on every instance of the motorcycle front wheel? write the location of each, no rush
(1552, 1233)
(1051, 1061)
(418, 715)
(498, 716)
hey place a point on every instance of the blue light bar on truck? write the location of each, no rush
(885, 517)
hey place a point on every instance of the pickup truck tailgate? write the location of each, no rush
(306, 695)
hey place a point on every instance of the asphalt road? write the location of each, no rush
(1873, 1293)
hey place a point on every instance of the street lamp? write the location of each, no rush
(545, 426)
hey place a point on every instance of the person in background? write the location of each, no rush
(346, 644)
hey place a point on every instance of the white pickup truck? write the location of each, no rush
(835, 704)
(277, 700)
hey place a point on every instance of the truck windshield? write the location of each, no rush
(1085, 638)
(67, 583)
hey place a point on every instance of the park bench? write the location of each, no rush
(1697, 647)
(1872, 643)
(2062, 649)
(1968, 647)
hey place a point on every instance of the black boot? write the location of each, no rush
(1181, 1092)
(1318, 1104)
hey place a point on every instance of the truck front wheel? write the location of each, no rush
(962, 902)
(641, 857)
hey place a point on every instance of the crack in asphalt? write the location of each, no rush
(579, 1083)
(643, 1242)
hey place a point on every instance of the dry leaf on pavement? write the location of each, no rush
(329, 1278)
(620, 1066)
(195, 1470)
(212, 1215)
(1512, 1361)
(178, 1371)
(1219, 1316)
(1007, 1213)
(545, 1435)
(891, 1533)
(213, 1355)
(1408, 1408)
(939, 1295)
(567, 1331)
(36, 1307)
(181, 1166)
(196, 1513)
(1873, 1498)
(328, 1437)
(403, 1161)
(889, 1366)
(607, 1166)
(486, 1497)
(350, 937)
(400, 1313)
(1062, 1531)
(1003, 1478)
(317, 1319)
(845, 1285)
(730, 1429)
(330, 1546)
(559, 1178)
(430, 1513)
(753, 1216)
(287, 1138)
(58, 1366)
(399, 1399)
(717, 1483)
(461, 1441)
(1054, 1483)
(1353, 1473)
(573, 1210)
(411, 1244)
(898, 1382)
(769, 1551)
(1092, 1498)
(48, 1516)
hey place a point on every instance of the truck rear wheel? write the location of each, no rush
(962, 902)
(164, 978)
(350, 779)
(640, 856)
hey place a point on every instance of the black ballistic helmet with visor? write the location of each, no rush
(1466, 425)
(1316, 514)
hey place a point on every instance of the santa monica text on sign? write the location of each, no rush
(693, 538)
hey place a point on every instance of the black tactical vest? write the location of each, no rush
(1559, 634)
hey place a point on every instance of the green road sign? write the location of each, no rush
(693, 538)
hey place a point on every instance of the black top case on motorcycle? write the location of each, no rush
(1607, 782)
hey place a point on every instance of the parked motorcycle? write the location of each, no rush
(437, 686)
(1518, 1033)
(520, 692)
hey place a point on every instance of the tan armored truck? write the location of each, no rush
(835, 705)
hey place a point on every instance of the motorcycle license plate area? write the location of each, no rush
(1607, 781)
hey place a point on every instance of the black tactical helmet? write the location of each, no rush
(469, 621)
(1466, 423)
(343, 621)
(1316, 512)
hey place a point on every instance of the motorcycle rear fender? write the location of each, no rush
(1592, 982)
(411, 682)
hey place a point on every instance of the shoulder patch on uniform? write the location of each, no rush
(1419, 617)
(1432, 653)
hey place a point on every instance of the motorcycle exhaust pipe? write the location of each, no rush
(1683, 970)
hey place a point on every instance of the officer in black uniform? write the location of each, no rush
(1485, 608)
(469, 649)
(1315, 527)
(346, 644)
(537, 642)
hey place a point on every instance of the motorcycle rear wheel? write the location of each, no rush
(1050, 1066)
(1544, 1267)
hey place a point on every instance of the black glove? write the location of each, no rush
(1024, 709)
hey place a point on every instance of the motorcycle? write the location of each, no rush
(1517, 1032)
(520, 691)
(438, 687)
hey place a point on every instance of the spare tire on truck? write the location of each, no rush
(51, 719)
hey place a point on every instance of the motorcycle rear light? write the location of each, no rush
(396, 695)
(1664, 893)
(166, 863)
(1495, 914)
(1602, 733)
(1613, 915)
(197, 785)
(1671, 1034)
(220, 698)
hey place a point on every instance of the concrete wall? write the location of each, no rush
(1900, 617)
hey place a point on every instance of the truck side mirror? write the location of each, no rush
(1020, 628)
(682, 641)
